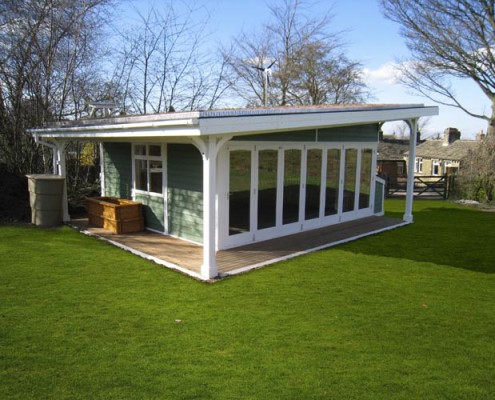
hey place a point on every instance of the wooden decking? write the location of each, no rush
(187, 257)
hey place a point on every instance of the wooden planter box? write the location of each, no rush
(115, 215)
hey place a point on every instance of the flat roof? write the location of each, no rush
(235, 121)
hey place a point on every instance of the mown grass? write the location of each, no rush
(407, 314)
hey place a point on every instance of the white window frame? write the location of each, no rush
(148, 158)
(438, 164)
(418, 165)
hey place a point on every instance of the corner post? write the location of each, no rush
(62, 171)
(209, 267)
(413, 128)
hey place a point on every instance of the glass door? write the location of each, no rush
(313, 184)
(239, 192)
(267, 188)
(292, 186)
(351, 156)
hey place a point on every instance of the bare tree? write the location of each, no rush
(448, 39)
(48, 53)
(163, 64)
(311, 67)
(403, 130)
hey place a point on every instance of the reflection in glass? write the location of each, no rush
(333, 176)
(365, 180)
(267, 188)
(141, 174)
(313, 184)
(292, 180)
(140, 149)
(350, 179)
(239, 191)
(155, 150)
(156, 176)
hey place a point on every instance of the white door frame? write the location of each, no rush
(254, 235)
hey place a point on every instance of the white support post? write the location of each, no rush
(62, 171)
(209, 267)
(413, 126)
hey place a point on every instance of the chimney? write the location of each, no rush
(450, 135)
(480, 136)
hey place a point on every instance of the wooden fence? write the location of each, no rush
(436, 187)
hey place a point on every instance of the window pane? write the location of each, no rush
(313, 184)
(156, 177)
(333, 177)
(140, 150)
(141, 175)
(239, 191)
(292, 180)
(156, 150)
(365, 178)
(267, 188)
(350, 179)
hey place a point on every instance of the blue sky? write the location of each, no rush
(370, 38)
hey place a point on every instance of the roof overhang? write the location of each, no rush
(233, 122)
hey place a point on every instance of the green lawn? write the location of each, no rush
(407, 314)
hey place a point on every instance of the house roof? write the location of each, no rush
(392, 149)
(234, 121)
(437, 149)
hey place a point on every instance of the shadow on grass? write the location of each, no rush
(445, 234)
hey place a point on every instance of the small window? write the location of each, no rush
(435, 168)
(418, 166)
(148, 168)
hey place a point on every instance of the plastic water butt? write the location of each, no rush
(46, 197)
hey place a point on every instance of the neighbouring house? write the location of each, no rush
(228, 178)
(443, 156)
(390, 157)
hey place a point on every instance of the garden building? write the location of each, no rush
(228, 178)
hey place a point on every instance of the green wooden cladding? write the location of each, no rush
(185, 192)
(117, 165)
(358, 133)
(153, 211)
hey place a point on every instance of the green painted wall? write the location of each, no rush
(117, 165)
(358, 133)
(153, 211)
(185, 191)
(379, 188)
(296, 136)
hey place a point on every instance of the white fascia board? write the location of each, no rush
(124, 130)
(287, 122)
(141, 133)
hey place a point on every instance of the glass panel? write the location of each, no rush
(141, 175)
(333, 176)
(365, 179)
(313, 184)
(156, 176)
(156, 150)
(240, 191)
(350, 179)
(267, 188)
(292, 181)
(140, 150)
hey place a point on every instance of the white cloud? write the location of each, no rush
(386, 74)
